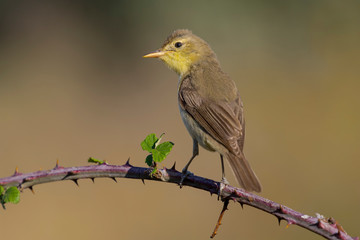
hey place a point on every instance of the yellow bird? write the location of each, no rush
(209, 103)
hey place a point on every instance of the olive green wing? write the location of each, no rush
(221, 120)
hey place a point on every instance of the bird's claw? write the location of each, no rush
(184, 175)
(224, 182)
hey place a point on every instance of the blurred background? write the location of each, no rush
(73, 84)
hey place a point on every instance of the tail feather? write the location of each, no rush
(243, 172)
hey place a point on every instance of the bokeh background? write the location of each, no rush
(73, 85)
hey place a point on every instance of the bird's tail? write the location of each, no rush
(243, 172)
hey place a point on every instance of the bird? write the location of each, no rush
(209, 103)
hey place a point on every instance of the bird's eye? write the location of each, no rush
(178, 44)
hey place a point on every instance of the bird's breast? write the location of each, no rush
(195, 130)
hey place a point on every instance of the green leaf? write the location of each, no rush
(165, 147)
(149, 142)
(1, 189)
(12, 194)
(158, 156)
(149, 160)
(161, 151)
(97, 161)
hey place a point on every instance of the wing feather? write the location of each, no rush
(220, 119)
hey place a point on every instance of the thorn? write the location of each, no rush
(279, 219)
(128, 163)
(57, 166)
(16, 172)
(143, 181)
(173, 167)
(75, 181)
(339, 227)
(113, 178)
(93, 179)
(242, 205)
(68, 175)
(31, 189)
(281, 209)
(289, 223)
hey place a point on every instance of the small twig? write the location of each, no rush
(226, 203)
(326, 227)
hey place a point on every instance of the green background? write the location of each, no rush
(73, 84)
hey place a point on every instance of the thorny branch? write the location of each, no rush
(326, 227)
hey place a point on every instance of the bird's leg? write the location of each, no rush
(223, 179)
(185, 171)
(223, 182)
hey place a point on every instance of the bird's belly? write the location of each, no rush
(196, 131)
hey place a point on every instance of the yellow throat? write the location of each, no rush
(181, 50)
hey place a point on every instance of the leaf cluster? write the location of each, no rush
(158, 151)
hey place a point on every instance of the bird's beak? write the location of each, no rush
(156, 54)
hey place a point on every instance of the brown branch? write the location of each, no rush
(226, 203)
(326, 227)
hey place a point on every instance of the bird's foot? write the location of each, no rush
(224, 182)
(184, 174)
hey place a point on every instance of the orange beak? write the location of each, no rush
(154, 55)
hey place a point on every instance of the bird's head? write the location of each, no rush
(181, 50)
